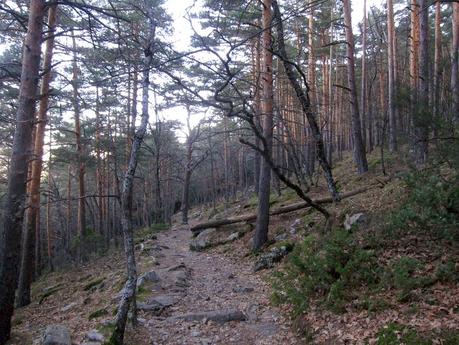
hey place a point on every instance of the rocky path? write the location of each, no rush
(207, 298)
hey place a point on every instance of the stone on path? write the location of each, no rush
(218, 316)
(147, 277)
(203, 240)
(56, 335)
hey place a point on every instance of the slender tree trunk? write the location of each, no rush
(257, 108)
(49, 225)
(261, 230)
(363, 95)
(358, 147)
(129, 290)
(422, 117)
(414, 60)
(187, 178)
(391, 76)
(455, 62)
(79, 148)
(437, 65)
(33, 212)
(13, 211)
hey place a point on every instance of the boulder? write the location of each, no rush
(147, 277)
(267, 260)
(94, 336)
(233, 237)
(219, 316)
(157, 304)
(281, 237)
(357, 220)
(204, 240)
(56, 335)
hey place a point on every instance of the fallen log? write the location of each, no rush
(196, 229)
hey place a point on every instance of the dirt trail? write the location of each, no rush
(213, 282)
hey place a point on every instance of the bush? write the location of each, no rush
(396, 334)
(432, 204)
(402, 276)
(329, 269)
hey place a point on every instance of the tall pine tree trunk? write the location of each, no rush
(33, 212)
(422, 117)
(14, 202)
(358, 147)
(391, 76)
(455, 62)
(81, 221)
(261, 230)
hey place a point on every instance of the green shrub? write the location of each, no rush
(402, 276)
(447, 272)
(396, 334)
(329, 269)
(432, 205)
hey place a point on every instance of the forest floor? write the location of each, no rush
(187, 293)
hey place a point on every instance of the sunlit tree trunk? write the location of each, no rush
(358, 147)
(33, 212)
(15, 198)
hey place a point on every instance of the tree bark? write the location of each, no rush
(455, 62)
(437, 65)
(79, 148)
(422, 118)
(129, 290)
(13, 212)
(261, 230)
(33, 212)
(391, 76)
(358, 147)
(363, 95)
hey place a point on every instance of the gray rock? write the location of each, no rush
(357, 220)
(268, 260)
(219, 316)
(281, 237)
(153, 307)
(91, 343)
(56, 335)
(147, 277)
(203, 240)
(95, 335)
(164, 300)
(243, 289)
(157, 304)
(233, 237)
